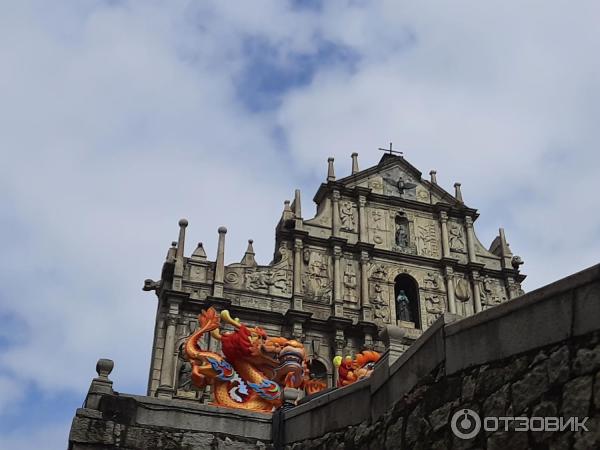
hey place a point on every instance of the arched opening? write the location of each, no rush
(406, 295)
(317, 370)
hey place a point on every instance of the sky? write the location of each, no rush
(117, 118)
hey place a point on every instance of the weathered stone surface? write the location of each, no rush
(544, 409)
(439, 418)
(197, 441)
(558, 365)
(490, 380)
(586, 360)
(416, 426)
(597, 391)
(496, 404)
(507, 440)
(576, 397)
(585, 440)
(393, 436)
(468, 387)
(534, 384)
(516, 368)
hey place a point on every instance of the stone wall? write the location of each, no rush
(132, 422)
(538, 355)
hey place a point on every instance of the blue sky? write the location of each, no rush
(118, 118)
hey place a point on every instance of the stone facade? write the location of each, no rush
(537, 356)
(555, 381)
(335, 279)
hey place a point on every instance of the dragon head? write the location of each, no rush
(252, 342)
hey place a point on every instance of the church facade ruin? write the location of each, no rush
(386, 247)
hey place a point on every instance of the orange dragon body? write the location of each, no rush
(351, 370)
(253, 369)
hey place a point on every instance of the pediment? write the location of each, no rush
(396, 177)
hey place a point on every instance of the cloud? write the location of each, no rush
(118, 118)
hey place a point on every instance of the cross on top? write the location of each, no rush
(390, 150)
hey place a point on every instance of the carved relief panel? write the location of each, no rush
(462, 293)
(348, 216)
(380, 293)
(350, 279)
(456, 236)
(423, 195)
(377, 224)
(427, 239)
(492, 292)
(317, 279)
(275, 279)
(434, 306)
(398, 183)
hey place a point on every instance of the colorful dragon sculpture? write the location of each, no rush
(351, 370)
(254, 369)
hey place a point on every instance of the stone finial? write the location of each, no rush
(354, 163)
(330, 170)
(457, 192)
(183, 223)
(248, 259)
(287, 211)
(433, 175)
(220, 264)
(199, 253)
(104, 367)
(297, 205)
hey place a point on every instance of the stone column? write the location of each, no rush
(470, 239)
(364, 287)
(340, 343)
(220, 264)
(335, 213)
(444, 225)
(165, 388)
(362, 219)
(297, 297)
(450, 290)
(337, 283)
(476, 291)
